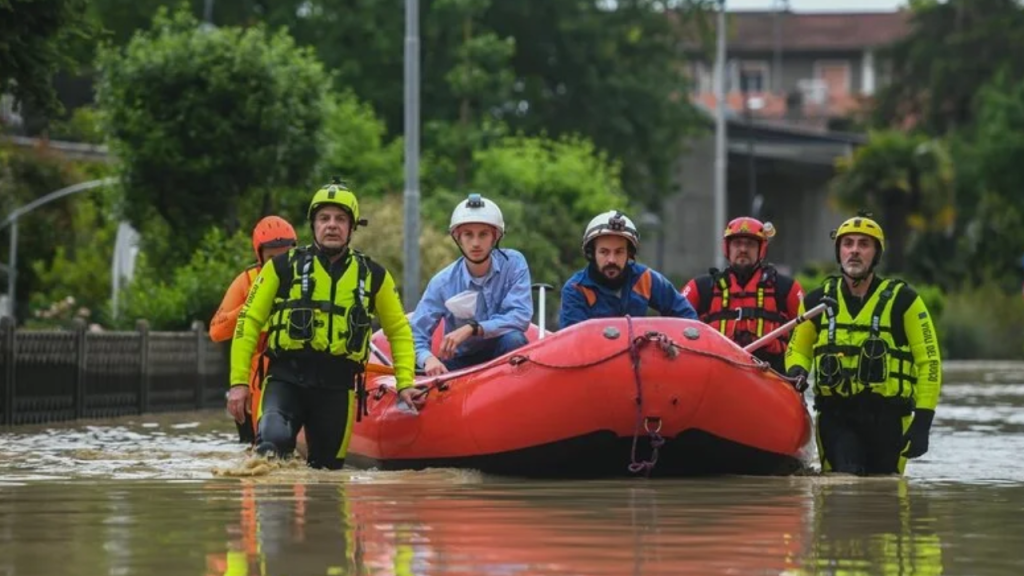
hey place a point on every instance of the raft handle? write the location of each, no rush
(647, 424)
(541, 301)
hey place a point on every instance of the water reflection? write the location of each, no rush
(277, 526)
(881, 526)
(138, 496)
(511, 529)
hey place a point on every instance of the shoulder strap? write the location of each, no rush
(888, 290)
(286, 274)
(705, 291)
(783, 286)
(369, 280)
(306, 275)
(829, 289)
(252, 271)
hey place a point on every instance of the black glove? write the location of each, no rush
(798, 375)
(917, 434)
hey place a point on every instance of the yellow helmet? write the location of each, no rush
(860, 225)
(336, 194)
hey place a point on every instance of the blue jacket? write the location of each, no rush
(505, 303)
(583, 298)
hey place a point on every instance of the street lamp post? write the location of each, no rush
(12, 221)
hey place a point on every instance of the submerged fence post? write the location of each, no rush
(80, 366)
(7, 330)
(142, 326)
(199, 329)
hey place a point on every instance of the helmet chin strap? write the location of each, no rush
(494, 248)
(480, 261)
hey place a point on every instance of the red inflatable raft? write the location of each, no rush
(606, 397)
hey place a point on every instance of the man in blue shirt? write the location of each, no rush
(614, 284)
(483, 297)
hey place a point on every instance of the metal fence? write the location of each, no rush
(56, 375)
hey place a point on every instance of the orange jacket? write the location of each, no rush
(222, 327)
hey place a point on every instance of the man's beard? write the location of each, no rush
(743, 272)
(600, 277)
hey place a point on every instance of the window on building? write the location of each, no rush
(750, 76)
(835, 74)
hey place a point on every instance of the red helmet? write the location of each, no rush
(272, 232)
(745, 226)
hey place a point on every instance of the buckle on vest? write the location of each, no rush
(739, 314)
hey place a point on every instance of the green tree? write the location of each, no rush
(611, 74)
(204, 119)
(80, 268)
(357, 148)
(479, 81)
(953, 49)
(171, 298)
(382, 239)
(548, 191)
(614, 76)
(36, 37)
(905, 179)
(992, 206)
(25, 175)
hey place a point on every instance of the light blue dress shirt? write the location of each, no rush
(504, 302)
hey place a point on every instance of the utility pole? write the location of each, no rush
(721, 159)
(411, 277)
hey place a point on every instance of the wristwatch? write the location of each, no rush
(476, 327)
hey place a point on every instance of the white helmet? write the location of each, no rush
(611, 223)
(477, 210)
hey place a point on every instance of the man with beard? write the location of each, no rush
(875, 356)
(614, 284)
(749, 298)
(316, 304)
(483, 297)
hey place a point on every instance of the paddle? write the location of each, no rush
(781, 330)
(541, 312)
(380, 355)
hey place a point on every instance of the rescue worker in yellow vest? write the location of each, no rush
(875, 358)
(316, 303)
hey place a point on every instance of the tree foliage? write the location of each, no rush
(357, 148)
(171, 298)
(992, 204)
(80, 269)
(548, 191)
(613, 75)
(34, 40)
(906, 179)
(27, 174)
(204, 119)
(953, 49)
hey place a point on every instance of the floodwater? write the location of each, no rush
(146, 495)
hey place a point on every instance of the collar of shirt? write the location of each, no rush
(478, 282)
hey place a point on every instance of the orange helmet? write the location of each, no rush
(745, 226)
(272, 232)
